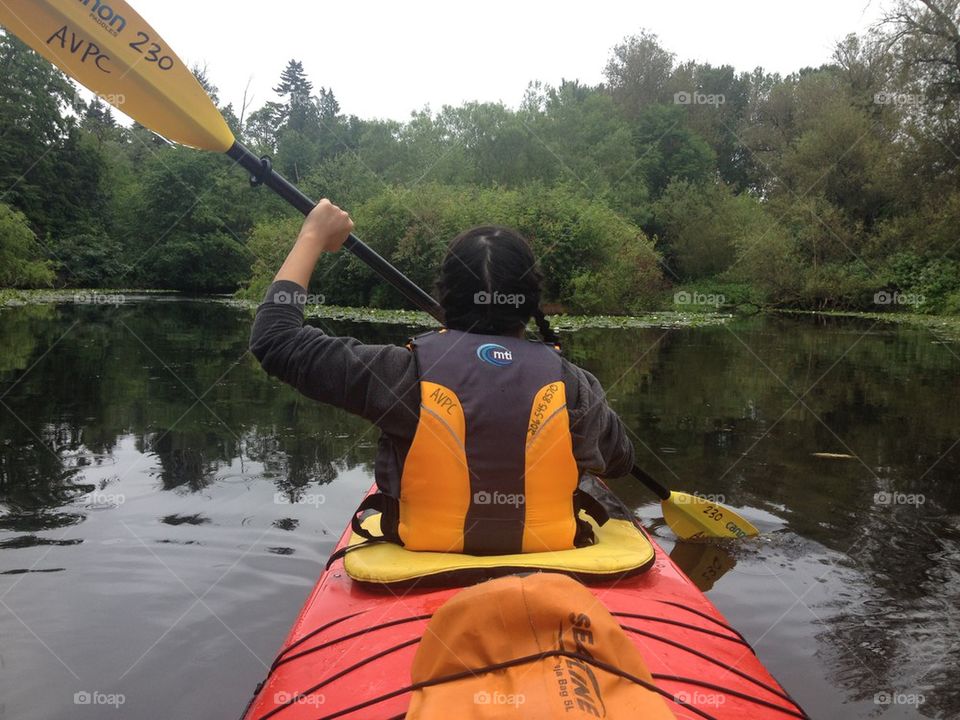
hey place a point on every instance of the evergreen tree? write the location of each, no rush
(300, 113)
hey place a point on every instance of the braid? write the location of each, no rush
(486, 279)
(546, 332)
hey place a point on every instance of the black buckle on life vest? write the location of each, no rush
(389, 510)
(582, 500)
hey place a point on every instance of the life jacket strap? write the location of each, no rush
(342, 552)
(582, 500)
(389, 510)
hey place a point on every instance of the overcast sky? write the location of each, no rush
(385, 59)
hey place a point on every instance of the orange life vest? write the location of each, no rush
(491, 468)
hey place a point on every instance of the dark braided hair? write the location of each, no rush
(489, 283)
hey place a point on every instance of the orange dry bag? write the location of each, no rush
(539, 646)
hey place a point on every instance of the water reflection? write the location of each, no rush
(147, 424)
(702, 562)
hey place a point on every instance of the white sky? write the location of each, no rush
(385, 59)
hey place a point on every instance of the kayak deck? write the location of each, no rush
(350, 651)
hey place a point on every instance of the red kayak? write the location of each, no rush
(350, 651)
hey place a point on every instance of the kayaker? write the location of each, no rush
(485, 435)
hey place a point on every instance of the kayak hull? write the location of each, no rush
(350, 650)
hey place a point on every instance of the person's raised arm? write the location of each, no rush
(377, 382)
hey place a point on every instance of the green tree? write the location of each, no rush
(190, 209)
(668, 150)
(299, 112)
(98, 120)
(717, 110)
(308, 128)
(638, 73)
(262, 127)
(767, 258)
(37, 106)
(587, 142)
(701, 225)
(21, 262)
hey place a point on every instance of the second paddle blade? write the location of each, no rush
(692, 517)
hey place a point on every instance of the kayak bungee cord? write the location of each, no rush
(283, 658)
(282, 655)
(798, 713)
(714, 620)
(297, 697)
(365, 631)
(313, 633)
(704, 656)
(473, 672)
(680, 623)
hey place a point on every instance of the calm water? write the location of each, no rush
(165, 507)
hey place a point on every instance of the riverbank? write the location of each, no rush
(80, 296)
(943, 326)
(946, 327)
(412, 318)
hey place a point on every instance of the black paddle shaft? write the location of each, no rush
(262, 173)
(656, 487)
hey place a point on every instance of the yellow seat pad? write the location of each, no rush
(621, 549)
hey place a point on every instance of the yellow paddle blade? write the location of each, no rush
(109, 48)
(690, 517)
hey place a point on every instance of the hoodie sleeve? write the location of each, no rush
(376, 382)
(600, 441)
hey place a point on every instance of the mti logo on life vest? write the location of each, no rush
(494, 354)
